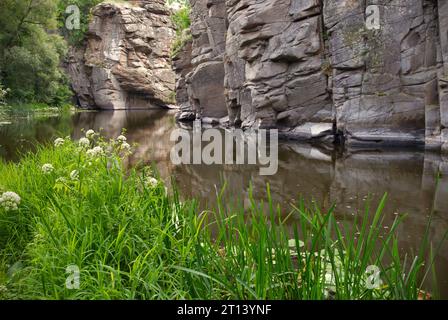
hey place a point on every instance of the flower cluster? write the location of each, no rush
(84, 142)
(59, 142)
(95, 152)
(122, 144)
(90, 134)
(10, 201)
(151, 182)
(47, 168)
(74, 175)
(122, 139)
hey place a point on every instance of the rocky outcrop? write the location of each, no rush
(182, 66)
(316, 69)
(383, 80)
(205, 81)
(442, 116)
(275, 75)
(126, 62)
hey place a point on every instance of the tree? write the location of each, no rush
(76, 37)
(31, 51)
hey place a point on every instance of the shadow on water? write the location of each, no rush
(326, 176)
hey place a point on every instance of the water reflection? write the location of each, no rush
(347, 179)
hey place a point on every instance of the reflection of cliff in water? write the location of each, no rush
(148, 129)
(328, 177)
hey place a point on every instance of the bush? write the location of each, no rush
(74, 204)
(76, 37)
(31, 51)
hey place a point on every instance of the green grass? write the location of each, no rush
(135, 240)
(181, 21)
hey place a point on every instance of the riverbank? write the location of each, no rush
(9, 112)
(131, 238)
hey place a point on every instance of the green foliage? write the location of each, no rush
(76, 37)
(31, 51)
(131, 239)
(181, 20)
(180, 42)
(3, 93)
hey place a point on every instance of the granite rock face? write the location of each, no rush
(204, 82)
(126, 63)
(371, 72)
(443, 74)
(275, 75)
(384, 80)
(182, 66)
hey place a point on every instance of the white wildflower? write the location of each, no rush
(74, 175)
(59, 142)
(61, 180)
(47, 168)
(122, 139)
(10, 201)
(90, 134)
(95, 152)
(151, 182)
(125, 146)
(84, 142)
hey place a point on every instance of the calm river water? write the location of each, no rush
(323, 175)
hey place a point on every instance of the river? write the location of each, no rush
(325, 175)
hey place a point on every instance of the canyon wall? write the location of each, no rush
(125, 62)
(315, 70)
(204, 81)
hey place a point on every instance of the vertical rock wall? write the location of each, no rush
(275, 67)
(314, 69)
(443, 74)
(205, 83)
(126, 62)
(311, 68)
(383, 80)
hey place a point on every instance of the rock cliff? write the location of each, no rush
(315, 70)
(125, 62)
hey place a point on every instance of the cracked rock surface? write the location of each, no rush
(126, 62)
(314, 70)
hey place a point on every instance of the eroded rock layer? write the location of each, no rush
(315, 69)
(204, 81)
(126, 63)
